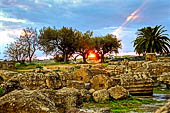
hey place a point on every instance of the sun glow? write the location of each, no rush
(92, 56)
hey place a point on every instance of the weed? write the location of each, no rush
(125, 105)
(161, 90)
(1, 91)
(77, 67)
(57, 70)
(106, 64)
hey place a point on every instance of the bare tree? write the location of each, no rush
(24, 47)
(29, 38)
(16, 52)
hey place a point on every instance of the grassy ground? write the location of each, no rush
(29, 67)
(121, 106)
(161, 90)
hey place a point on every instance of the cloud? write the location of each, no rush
(5, 17)
(8, 35)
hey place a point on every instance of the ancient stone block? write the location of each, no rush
(150, 57)
(99, 82)
(101, 95)
(164, 109)
(64, 99)
(118, 92)
(76, 84)
(82, 75)
(140, 83)
(26, 101)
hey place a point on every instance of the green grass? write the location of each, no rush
(56, 70)
(77, 67)
(106, 64)
(35, 65)
(1, 91)
(161, 90)
(121, 106)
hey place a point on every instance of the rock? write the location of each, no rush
(85, 94)
(101, 95)
(64, 99)
(99, 82)
(32, 80)
(37, 70)
(76, 84)
(139, 84)
(118, 92)
(45, 69)
(82, 74)
(75, 110)
(164, 78)
(91, 91)
(6, 75)
(87, 86)
(98, 66)
(115, 81)
(6, 65)
(150, 57)
(26, 101)
(97, 71)
(164, 109)
(10, 86)
(53, 81)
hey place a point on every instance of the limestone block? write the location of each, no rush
(99, 82)
(76, 84)
(118, 92)
(101, 95)
(26, 101)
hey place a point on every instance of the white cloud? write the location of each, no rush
(52, 2)
(6, 17)
(12, 20)
(8, 35)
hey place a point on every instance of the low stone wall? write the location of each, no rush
(7, 65)
(6, 75)
(137, 83)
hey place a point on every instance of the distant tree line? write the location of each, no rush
(65, 42)
(61, 43)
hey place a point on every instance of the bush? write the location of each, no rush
(1, 91)
(77, 67)
(39, 66)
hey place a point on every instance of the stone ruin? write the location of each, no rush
(7, 65)
(65, 90)
(150, 57)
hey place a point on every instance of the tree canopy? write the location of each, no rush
(106, 44)
(62, 41)
(152, 40)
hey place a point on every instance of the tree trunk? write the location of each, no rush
(102, 58)
(22, 61)
(84, 59)
(30, 59)
(75, 58)
(65, 57)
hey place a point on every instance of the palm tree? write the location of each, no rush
(152, 40)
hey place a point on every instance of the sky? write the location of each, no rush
(118, 17)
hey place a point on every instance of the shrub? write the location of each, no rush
(1, 91)
(39, 66)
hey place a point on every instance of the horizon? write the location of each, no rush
(118, 17)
